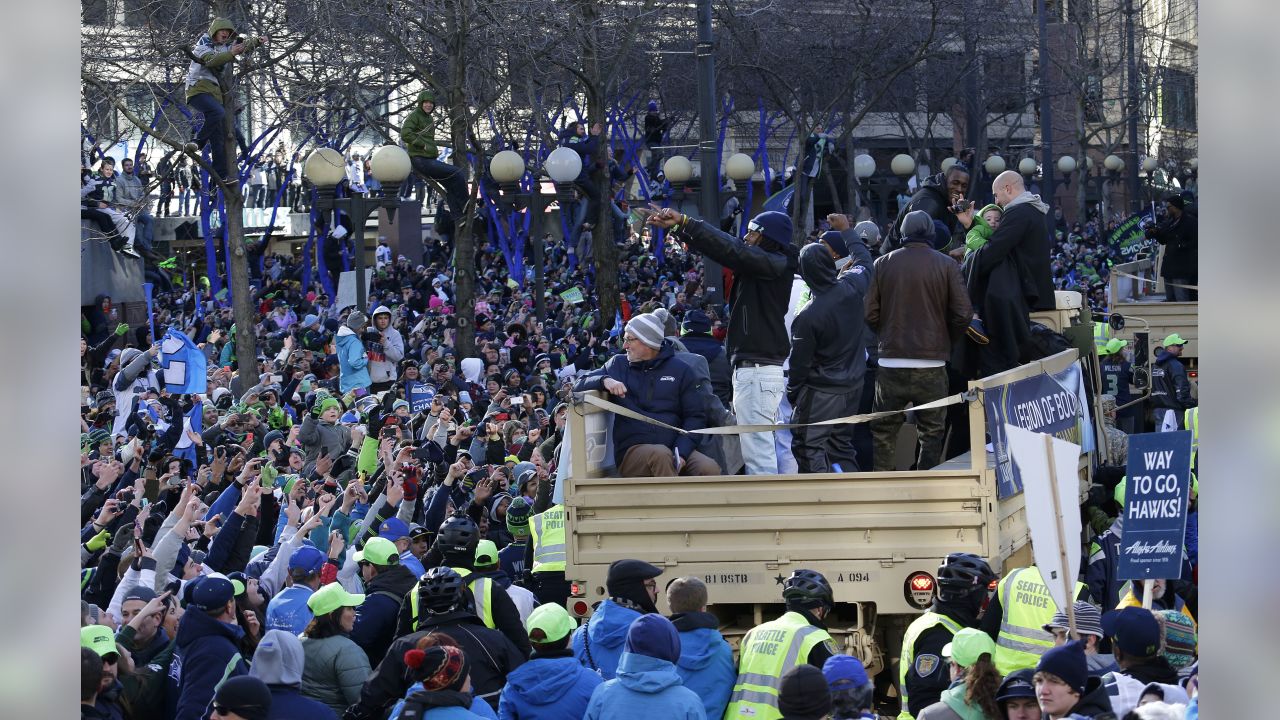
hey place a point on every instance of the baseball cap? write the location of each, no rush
(1173, 339)
(331, 597)
(100, 639)
(486, 553)
(393, 529)
(968, 646)
(308, 559)
(238, 582)
(1017, 684)
(1133, 630)
(379, 551)
(549, 623)
(1088, 620)
(139, 592)
(416, 530)
(1114, 345)
(211, 592)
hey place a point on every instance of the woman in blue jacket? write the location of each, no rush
(353, 361)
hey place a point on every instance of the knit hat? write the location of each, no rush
(696, 322)
(917, 226)
(834, 240)
(246, 696)
(518, 516)
(329, 402)
(648, 329)
(442, 667)
(309, 320)
(1088, 620)
(844, 672)
(1133, 630)
(1179, 638)
(1067, 662)
(357, 320)
(941, 235)
(773, 225)
(803, 694)
(654, 636)
(867, 231)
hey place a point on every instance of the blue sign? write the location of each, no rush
(1052, 403)
(1155, 510)
(419, 395)
(185, 366)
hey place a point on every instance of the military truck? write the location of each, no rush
(878, 537)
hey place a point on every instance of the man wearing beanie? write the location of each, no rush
(647, 685)
(242, 698)
(1179, 234)
(1063, 685)
(918, 307)
(353, 360)
(651, 380)
(804, 694)
(695, 333)
(632, 592)
(763, 265)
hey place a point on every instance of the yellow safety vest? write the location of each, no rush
(1101, 335)
(1191, 421)
(767, 653)
(481, 589)
(546, 531)
(1027, 607)
(908, 655)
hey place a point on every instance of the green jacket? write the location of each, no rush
(419, 130)
(980, 232)
(952, 707)
(203, 73)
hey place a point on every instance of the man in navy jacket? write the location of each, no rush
(652, 381)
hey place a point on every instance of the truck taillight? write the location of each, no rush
(575, 590)
(580, 608)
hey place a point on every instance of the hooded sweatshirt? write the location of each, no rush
(205, 653)
(598, 644)
(706, 660)
(551, 686)
(827, 352)
(202, 74)
(952, 706)
(382, 363)
(278, 662)
(646, 687)
(419, 130)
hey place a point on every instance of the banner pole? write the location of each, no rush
(1062, 540)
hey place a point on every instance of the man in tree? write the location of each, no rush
(211, 58)
(419, 135)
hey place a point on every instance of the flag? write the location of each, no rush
(1130, 238)
(183, 363)
(617, 324)
(147, 289)
(192, 422)
(781, 200)
(419, 395)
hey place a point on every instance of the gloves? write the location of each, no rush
(268, 475)
(97, 542)
(123, 537)
(122, 328)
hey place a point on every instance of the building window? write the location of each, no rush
(97, 12)
(1178, 99)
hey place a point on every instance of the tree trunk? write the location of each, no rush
(242, 304)
(602, 248)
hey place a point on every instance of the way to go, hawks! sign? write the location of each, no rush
(1155, 509)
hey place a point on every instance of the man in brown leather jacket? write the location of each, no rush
(918, 306)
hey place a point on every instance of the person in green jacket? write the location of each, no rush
(211, 58)
(984, 224)
(419, 136)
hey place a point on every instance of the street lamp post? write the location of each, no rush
(864, 166)
(325, 168)
(507, 169)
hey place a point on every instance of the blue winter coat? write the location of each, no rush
(554, 687)
(608, 632)
(204, 652)
(646, 687)
(353, 364)
(664, 388)
(289, 704)
(706, 661)
(479, 709)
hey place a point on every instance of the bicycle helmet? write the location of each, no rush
(807, 587)
(458, 535)
(440, 589)
(962, 574)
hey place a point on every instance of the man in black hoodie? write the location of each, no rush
(827, 359)
(936, 196)
(443, 595)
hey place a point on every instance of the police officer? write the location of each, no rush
(1016, 617)
(457, 540)
(546, 556)
(963, 579)
(1170, 387)
(441, 593)
(770, 650)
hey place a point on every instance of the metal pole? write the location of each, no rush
(1046, 119)
(358, 214)
(708, 199)
(1135, 202)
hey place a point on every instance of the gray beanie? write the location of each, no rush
(669, 326)
(648, 329)
(867, 231)
(357, 320)
(917, 225)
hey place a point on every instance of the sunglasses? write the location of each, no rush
(220, 709)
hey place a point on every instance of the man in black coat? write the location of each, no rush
(828, 358)
(1011, 274)
(698, 339)
(1179, 233)
(936, 196)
